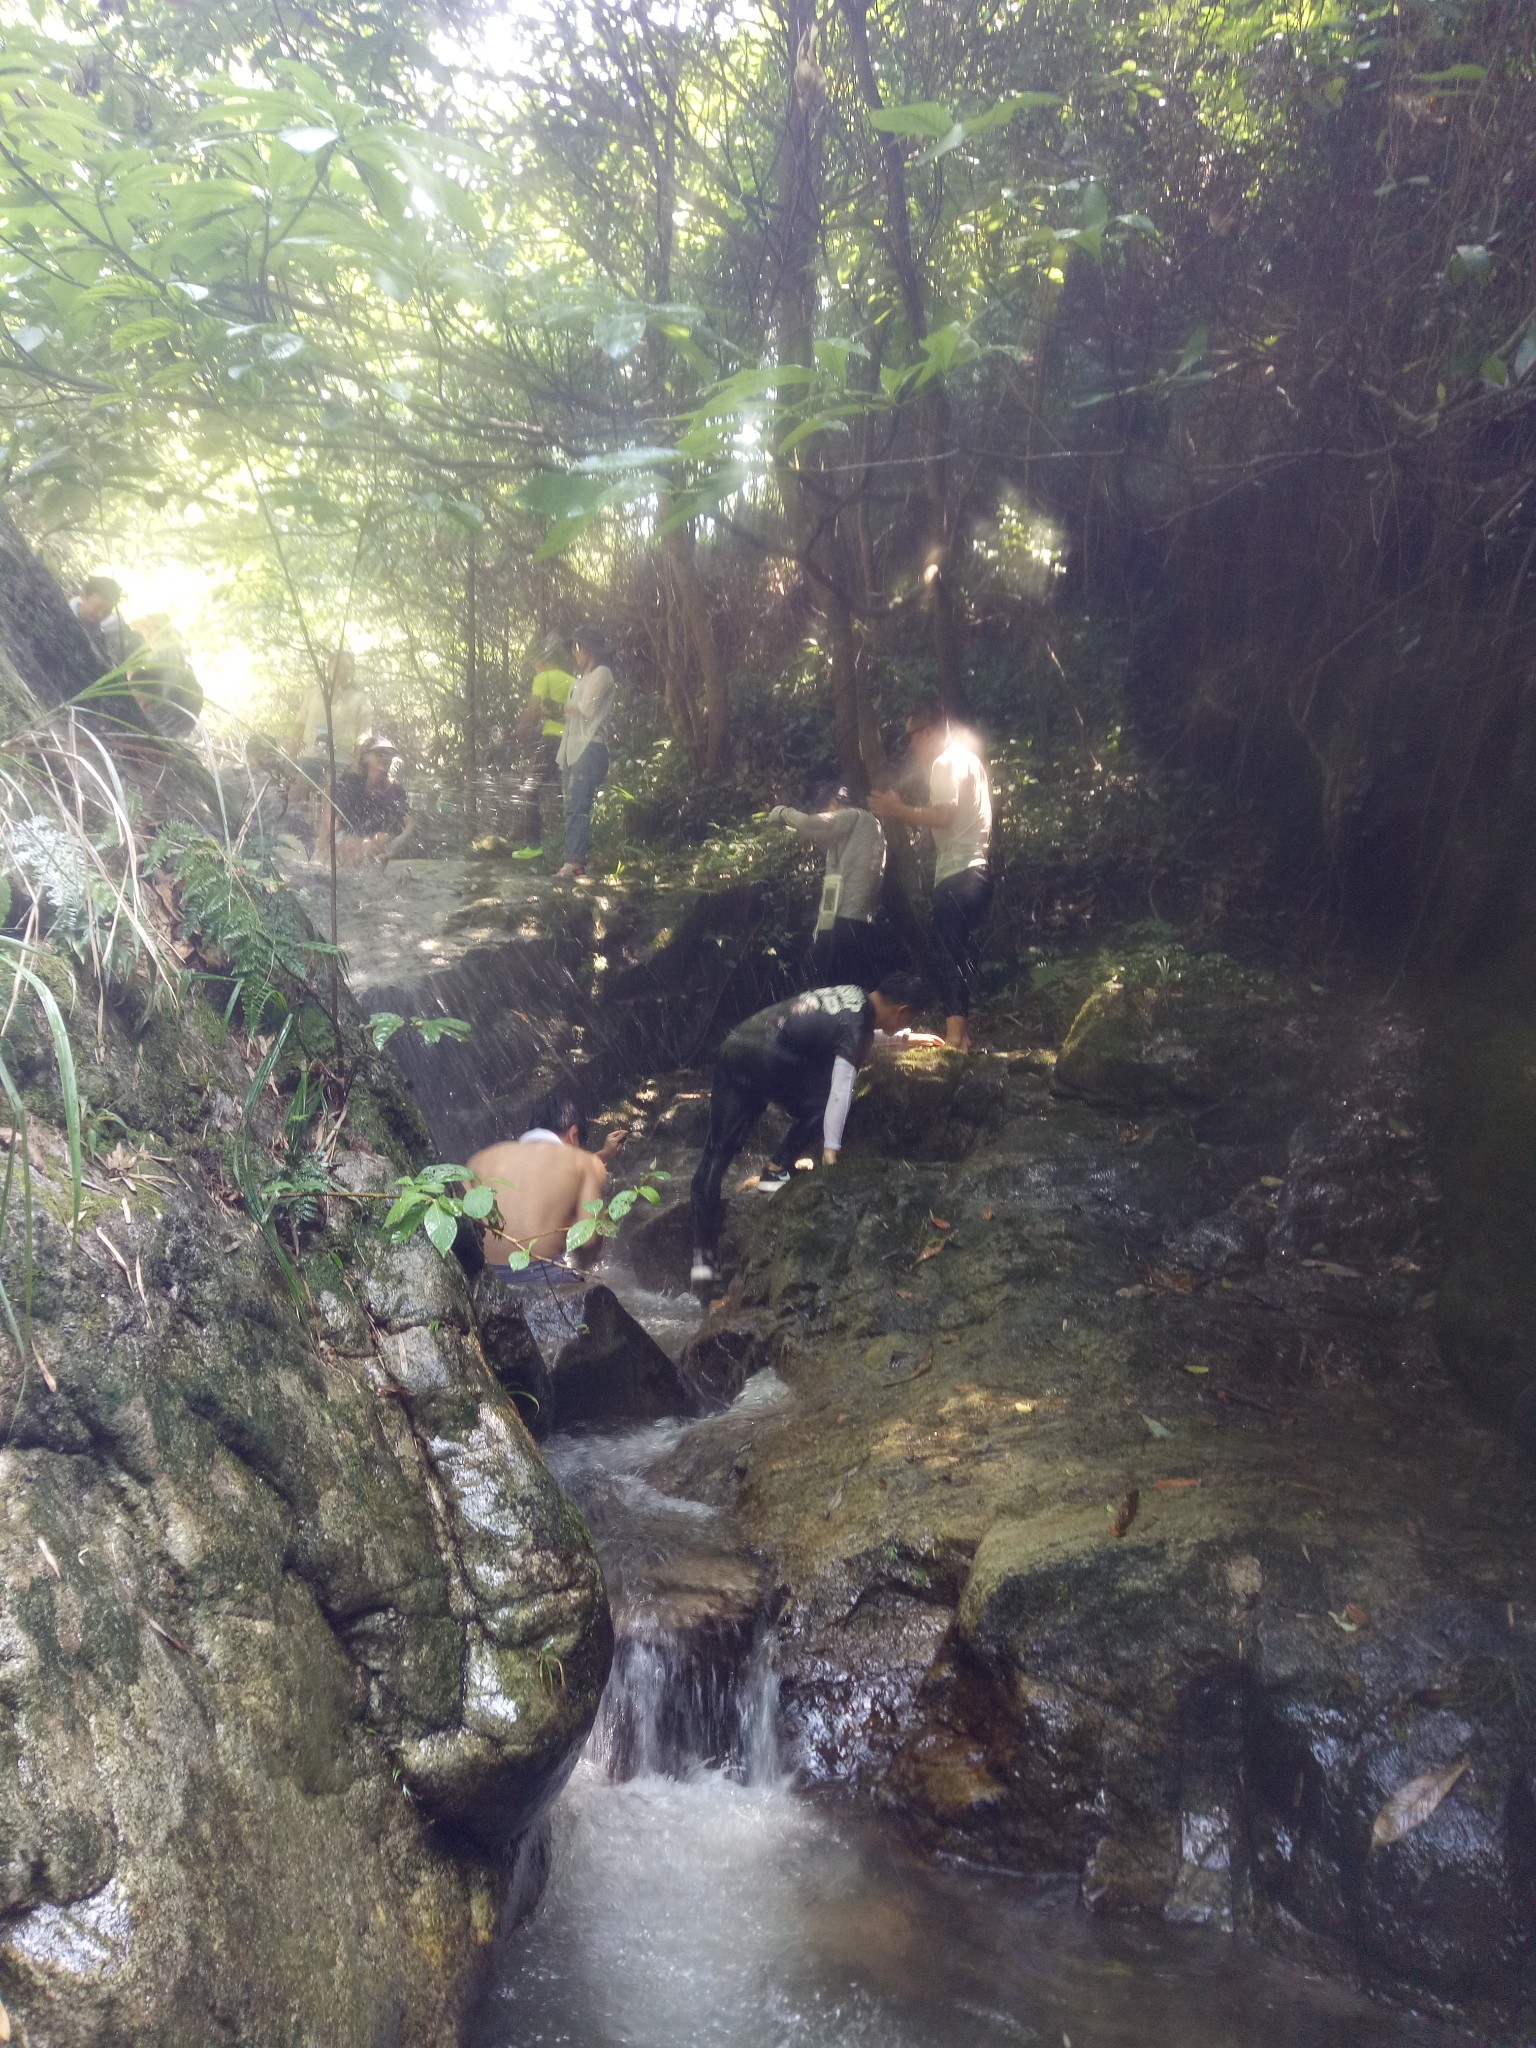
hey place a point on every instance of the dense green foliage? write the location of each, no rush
(894, 330)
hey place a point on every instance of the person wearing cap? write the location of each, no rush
(845, 942)
(372, 816)
(583, 753)
(348, 720)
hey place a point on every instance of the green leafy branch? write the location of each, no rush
(383, 1024)
(427, 1201)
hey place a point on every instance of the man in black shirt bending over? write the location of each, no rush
(803, 1055)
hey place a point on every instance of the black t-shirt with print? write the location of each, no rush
(366, 811)
(808, 1032)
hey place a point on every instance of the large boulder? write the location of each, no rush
(1126, 1524)
(611, 1370)
(1164, 1026)
(297, 1633)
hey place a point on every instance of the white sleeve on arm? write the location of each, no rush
(839, 1096)
(808, 825)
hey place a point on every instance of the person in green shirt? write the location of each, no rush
(540, 726)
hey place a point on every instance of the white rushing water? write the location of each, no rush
(697, 1900)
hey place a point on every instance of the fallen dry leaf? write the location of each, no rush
(1121, 1518)
(42, 1365)
(937, 1221)
(931, 1251)
(1173, 1485)
(986, 1215)
(1136, 1293)
(905, 1294)
(1270, 1180)
(1412, 1804)
(1357, 1615)
(175, 1641)
(1197, 1368)
(1170, 1283)
(49, 1559)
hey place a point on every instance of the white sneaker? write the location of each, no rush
(703, 1273)
(775, 1178)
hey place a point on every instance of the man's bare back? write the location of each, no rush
(540, 1188)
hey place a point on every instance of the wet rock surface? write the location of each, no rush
(1124, 1520)
(280, 1599)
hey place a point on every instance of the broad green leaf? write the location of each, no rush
(382, 1025)
(1194, 350)
(442, 1227)
(619, 334)
(308, 141)
(951, 139)
(921, 117)
(479, 1203)
(581, 1232)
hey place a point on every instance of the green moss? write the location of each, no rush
(209, 1023)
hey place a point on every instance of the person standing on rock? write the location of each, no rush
(845, 944)
(541, 1182)
(959, 815)
(539, 725)
(803, 1055)
(583, 755)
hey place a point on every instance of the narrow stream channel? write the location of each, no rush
(697, 1899)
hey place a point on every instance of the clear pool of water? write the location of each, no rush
(711, 1907)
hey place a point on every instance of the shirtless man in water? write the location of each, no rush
(541, 1181)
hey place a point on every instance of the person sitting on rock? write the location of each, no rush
(162, 681)
(321, 733)
(542, 1181)
(373, 818)
(959, 815)
(845, 945)
(803, 1055)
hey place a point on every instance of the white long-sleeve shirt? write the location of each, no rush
(586, 713)
(839, 1099)
(854, 841)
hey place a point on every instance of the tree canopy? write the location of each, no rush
(455, 312)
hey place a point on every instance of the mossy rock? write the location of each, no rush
(1174, 1027)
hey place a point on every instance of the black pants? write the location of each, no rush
(542, 774)
(960, 906)
(856, 951)
(744, 1085)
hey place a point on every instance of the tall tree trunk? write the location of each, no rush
(935, 421)
(471, 693)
